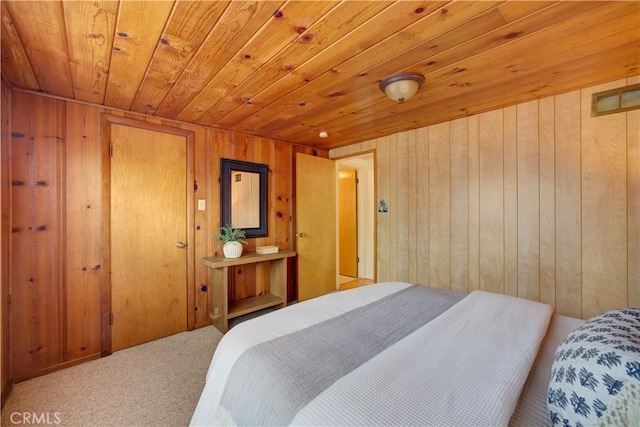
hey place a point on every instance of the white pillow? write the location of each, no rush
(596, 369)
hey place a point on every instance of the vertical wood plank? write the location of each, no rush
(5, 239)
(37, 326)
(491, 201)
(383, 238)
(402, 205)
(412, 189)
(528, 202)
(263, 152)
(394, 207)
(458, 142)
(511, 201)
(422, 207)
(604, 207)
(422, 254)
(282, 211)
(83, 209)
(439, 207)
(204, 180)
(474, 202)
(568, 199)
(633, 202)
(547, 201)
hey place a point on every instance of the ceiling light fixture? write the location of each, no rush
(323, 134)
(402, 86)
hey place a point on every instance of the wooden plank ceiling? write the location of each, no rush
(288, 69)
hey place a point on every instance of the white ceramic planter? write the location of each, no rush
(232, 249)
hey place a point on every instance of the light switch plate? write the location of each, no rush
(202, 204)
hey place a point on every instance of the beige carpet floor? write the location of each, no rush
(153, 384)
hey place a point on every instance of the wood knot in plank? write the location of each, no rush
(35, 350)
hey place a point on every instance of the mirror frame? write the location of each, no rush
(228, 165)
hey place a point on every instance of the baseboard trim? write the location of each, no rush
(6, 390)
(53, 368)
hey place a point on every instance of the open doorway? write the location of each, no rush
(356, 220)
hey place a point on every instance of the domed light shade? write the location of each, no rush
(401, 86)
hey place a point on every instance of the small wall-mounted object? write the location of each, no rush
(382, 206)
(615, 100)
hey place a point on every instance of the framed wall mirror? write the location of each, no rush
(243, 196)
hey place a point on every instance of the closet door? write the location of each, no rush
(148, 239)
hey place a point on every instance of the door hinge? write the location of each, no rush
(110, 149)
(111, 318)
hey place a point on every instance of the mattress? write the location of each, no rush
(455, 380)
(532, 405)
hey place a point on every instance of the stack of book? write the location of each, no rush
(267, 249)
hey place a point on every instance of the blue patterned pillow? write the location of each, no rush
(592, 365)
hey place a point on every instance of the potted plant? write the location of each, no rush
(232, 240)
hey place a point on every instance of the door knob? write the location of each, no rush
(181, 245)
(301, 235)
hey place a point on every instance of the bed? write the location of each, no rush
(388, 354)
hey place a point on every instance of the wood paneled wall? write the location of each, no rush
(56, 214)
(537, 200)
(5, 233)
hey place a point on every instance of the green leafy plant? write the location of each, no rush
(230, 234)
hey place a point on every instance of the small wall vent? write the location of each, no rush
(615, 100)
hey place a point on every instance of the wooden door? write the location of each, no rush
(148, 235)
(315, 225)
(347, 222)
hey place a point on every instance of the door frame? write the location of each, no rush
(347, 160)
(105, 279)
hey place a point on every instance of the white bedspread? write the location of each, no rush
(466, 367)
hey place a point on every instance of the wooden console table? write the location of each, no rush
(222, 310)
